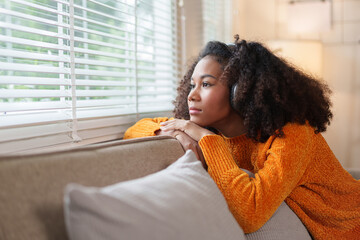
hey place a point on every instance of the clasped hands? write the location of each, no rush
(187, 133)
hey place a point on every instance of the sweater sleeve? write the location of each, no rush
(253, 201)
(145, 127)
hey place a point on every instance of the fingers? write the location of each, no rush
(176, 124)
(165, 133)
(181, 125)
(190, 128)
(188, 143)
(173, 133)
(185, 141)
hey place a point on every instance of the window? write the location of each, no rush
(217, 20)
(82, 71)
(203, 21)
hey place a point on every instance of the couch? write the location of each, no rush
(32, 184)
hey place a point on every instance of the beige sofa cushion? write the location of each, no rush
(32, 185)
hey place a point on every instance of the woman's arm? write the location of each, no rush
(151, 127)
(145, 127)
(254, 200)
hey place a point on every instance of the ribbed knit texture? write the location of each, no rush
(145, 127)
(299, 168)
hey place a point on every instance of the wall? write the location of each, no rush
(205, 20)
(194, 28)
(266, 20)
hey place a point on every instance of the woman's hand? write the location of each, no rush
(192, 129)
(186, 142)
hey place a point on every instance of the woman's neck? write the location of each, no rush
(232, 127)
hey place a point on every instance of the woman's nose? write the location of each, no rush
(193, 95)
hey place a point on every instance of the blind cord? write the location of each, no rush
(74, 134)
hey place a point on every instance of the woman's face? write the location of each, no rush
(208, 100)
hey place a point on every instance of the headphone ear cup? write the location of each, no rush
(233, 95)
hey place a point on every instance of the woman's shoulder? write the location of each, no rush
(295, 134)
(297, 129)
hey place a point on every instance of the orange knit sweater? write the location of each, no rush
(299, 168)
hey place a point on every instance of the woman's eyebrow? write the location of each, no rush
(205, 76)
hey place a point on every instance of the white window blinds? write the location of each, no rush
(82, 70)
(217, 20)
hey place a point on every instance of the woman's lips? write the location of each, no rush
(193, 111)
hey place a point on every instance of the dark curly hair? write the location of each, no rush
(270, 92)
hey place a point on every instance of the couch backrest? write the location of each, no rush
(31, 185)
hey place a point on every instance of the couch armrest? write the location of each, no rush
(31, 196)
(355, 172)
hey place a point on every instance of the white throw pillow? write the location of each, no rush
(179, 202)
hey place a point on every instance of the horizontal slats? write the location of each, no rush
(103, 63)
(119, 103)
(104, 103)
(103, 34)
(33, 68)
(105, 112)
(33, 43)
(33, 30)
(108, 26)
(31, 106)
(105, 44)
(65, 2)
(158, 83)
(144, 76)
(30, 93)
(112, 84)
(100, 132)
(173, 64)
(31, 55)
(33, 18)
(105, 83)
(17, 80)
(146, 109)
(34, 143)
(102, 53)
(156, 92)
(106, 122)
(40, 7)
(168, 39)
(103, 14)
(67, 82)
(19, 133)
(102, 93)
(118, 9)
(36, 118)
(18, 93)
(89, 72)
(167, 113)
(12, 134)
(159, 9)
(35, 106)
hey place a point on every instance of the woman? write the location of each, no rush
(241, 107)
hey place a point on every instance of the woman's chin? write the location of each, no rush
(198, 121)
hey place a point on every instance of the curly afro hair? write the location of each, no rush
(270, 92)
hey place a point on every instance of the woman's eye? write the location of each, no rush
(192, 86)
(205, 84)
